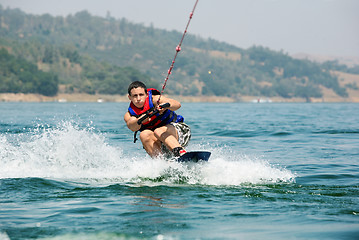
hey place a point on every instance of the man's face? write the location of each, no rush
(138, 97)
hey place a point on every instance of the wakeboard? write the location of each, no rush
(194, 156)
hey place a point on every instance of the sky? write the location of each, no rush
(315, 27)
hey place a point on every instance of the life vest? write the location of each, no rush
(157, 120)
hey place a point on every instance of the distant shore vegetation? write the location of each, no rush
(96, 55)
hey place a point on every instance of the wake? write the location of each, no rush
(69, 152)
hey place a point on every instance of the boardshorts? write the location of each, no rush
(184, 133)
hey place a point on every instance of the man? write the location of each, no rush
(162, 134)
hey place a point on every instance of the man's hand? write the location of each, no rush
(161, 108)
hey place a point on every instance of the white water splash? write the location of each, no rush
(68, 152)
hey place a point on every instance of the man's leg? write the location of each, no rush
(167, 135)
(150, 143)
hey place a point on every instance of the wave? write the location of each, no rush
(82, 154)
(237, 133)
(14, 128)
(233, 133)
(248, 134)
(337, 131)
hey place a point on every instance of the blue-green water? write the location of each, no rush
(277, 171)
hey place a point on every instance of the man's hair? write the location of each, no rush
(136, 84)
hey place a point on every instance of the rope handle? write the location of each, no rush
(148, 114)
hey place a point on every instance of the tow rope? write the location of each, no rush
(178, 49)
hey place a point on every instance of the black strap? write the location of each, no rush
(135, 137)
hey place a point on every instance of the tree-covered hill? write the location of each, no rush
(102, 55)
(18, 75)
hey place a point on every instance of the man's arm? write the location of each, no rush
(174, 104)
(131, 122)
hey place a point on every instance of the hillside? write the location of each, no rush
(90, 54)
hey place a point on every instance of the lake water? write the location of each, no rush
(277, 171)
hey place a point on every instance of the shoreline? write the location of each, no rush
(81, 97)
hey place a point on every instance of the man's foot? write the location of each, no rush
(178, 151)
